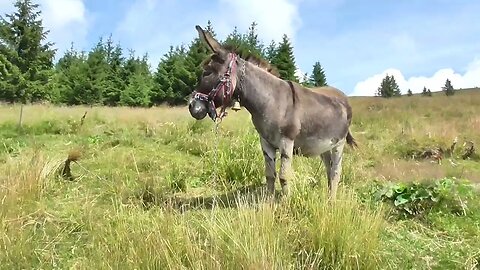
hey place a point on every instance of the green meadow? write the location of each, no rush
(155, 189)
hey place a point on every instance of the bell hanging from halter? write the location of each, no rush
(236, 106)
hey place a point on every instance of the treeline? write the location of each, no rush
(389, 88)
(110, 75)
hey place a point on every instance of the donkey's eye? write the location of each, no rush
(217, 58)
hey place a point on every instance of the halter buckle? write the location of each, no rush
(236, 106)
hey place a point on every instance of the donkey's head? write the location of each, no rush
(217, 83)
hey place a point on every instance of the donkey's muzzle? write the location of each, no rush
(198, 109)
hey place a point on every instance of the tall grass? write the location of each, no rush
(65, 225)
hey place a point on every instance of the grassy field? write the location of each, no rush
(154, 189)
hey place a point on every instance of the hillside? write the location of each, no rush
(152, 188)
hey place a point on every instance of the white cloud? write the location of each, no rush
(471, 78)
(300, 74)
(66, 20)
(274, 17)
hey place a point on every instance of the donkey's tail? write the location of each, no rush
(351, 141)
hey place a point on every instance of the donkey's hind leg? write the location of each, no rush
(327, 161)
(336, 168)
(286, 153)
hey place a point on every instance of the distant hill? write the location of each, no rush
(434, 93)
(457, 91)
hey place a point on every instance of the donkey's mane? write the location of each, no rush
(254, 59)
(249, 57)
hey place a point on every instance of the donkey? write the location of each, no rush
(289, 118)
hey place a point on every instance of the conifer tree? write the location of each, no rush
(140, 83)
(318, 77)
(115, 84)
(409, 93)
(284, 60)
(239, 43)
(196, 54)
(173, 80)
(388, 88)
(253, 43)
(448, 88)
(25, 50)
(10, 80)
(306, 80)
(97, 73)
(270, 51)
(68, 76)
(424, 91)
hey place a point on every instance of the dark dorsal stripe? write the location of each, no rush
(293, 92)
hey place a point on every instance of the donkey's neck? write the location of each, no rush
(259, 90)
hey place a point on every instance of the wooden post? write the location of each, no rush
(20, 120)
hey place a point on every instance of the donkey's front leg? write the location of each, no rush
(269, 153)
(286, 153)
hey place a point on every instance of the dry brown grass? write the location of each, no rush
(24, 179)
(123, 115)
(393, 170)
(380, 123)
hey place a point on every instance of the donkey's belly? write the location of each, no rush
(313, 146)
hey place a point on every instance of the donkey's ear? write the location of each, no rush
(206, 37)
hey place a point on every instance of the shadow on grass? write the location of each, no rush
(244, 196)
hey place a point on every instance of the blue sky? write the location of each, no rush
(422, 43)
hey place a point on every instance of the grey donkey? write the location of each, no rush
(288, 117)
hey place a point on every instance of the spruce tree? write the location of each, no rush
(97, 75)
(140, 84)
(66, 75)
(388, 88)
(209, 28)
(137, 92)
(23, 45)
(115, 83)
(306, 80)
(284, 60)
(11, 80)
(234, 39)
(239, 43)
(161, 84)
(270, 51)
(318, 77)
(246, 44)
(448, 88)
(409, 93)
(173, 80)
(73, 80)
(424, 91)
(129, 66)
(196, 54)
(429, 93)
(253, 43)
